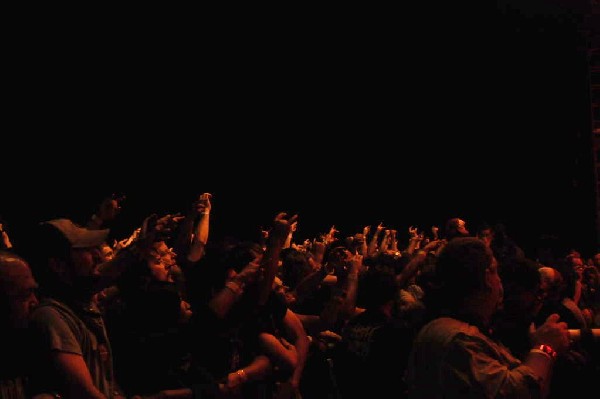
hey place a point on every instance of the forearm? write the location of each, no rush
(309, 283)
(394, 243)
(200, 238)
(257, 370)
(372, 248)
(351, 294)
(411, 268)
(224, 300)
(270, 263)
(288, 240)
(202, 229)
(385, 242)
(302, 344)
(541, 365)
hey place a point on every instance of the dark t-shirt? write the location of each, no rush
(371, 358)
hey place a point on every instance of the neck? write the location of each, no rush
(476, 311)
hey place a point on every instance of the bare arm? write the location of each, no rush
(257, 370)
(200, 236)
(372, 248)
(297, 333)
(222, 302)
(277, 236)
(415, 262)
(76, 376)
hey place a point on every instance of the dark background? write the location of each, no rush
(347, 117)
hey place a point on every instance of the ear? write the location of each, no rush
(489, 275)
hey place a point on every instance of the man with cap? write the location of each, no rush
(72, 353)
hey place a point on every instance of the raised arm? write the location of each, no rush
(277, 236)
(372, 248)
(200, 235)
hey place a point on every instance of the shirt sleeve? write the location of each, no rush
(54, 332)
(474, 367)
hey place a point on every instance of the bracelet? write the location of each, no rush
(546, 350)
(205, 213)
(242, 374)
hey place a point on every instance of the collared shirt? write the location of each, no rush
(451, 358)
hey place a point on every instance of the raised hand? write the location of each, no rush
(435, 230)
(157, 229)
(202, 206)
(282, 225)
(366, 230)
(552, 333)
(413, 232)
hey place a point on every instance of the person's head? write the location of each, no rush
(294, 266)
(596, 260)
(161, 259)
(339, 259)
(17, 291)
(485, 232)
(65, 256)
(467, 276)
(456, 227)
(523, 294)
(376, 288)
(551, 283)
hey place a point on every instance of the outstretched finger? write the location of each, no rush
(280, 216)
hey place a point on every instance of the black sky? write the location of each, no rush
(407, 120)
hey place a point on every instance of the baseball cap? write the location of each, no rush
(79, 237)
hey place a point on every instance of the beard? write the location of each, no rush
(85, 286)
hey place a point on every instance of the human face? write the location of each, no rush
(461, 227)
(486, 235)
(85, 261)
(596, 260)
(494, 284)
(84, 274)
(107, 252)
(162, 259)
(20, 289)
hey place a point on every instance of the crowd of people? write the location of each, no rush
(168, 312)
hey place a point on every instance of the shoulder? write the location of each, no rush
(445, 329)
(53, 315)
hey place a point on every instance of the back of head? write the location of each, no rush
(461, 268)
(376, 288)
(456, 227)
(294, 266)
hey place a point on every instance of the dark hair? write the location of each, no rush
(46, 242)
(294, 266)
(376, 287)
(460, 270)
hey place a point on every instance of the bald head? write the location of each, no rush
(17, 290)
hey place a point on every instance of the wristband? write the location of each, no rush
(546, 350)
(242, 374)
